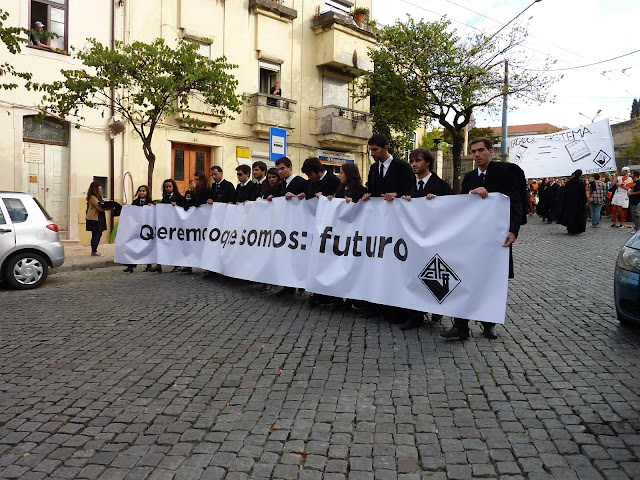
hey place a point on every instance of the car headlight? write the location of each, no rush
(629, 259)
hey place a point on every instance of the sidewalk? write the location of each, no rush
(77, 256)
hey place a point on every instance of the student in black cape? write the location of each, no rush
(427, 185)
(321, 181)
(170, 195)
(142, 199)
(489, 177)
(574, 215)
(222, 190)
(246, 190)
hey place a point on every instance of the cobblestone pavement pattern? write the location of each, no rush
(114, 376)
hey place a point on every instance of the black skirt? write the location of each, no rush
(99, 225)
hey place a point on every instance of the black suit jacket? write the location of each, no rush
(501, 178)
(223, 193)
(327, 186)
(297, 185)
(397, 179)
(434, 185)
(247, 192)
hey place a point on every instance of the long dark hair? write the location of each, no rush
(148, 192)
(203, 180)
(93, 191)
(354, 181)
(172, 182)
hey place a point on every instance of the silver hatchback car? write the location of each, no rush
(29, 241)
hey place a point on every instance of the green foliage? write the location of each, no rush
(425, 70)
(146, 83)
(476, 132)
(632, 151)
(13, 38)
(635, 109)
(428, 141)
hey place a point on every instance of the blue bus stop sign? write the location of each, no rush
(277, 143)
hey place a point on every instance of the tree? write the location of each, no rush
(429, 138)
(145, 83)
(476, 132)
(12, 37)
(632, 151)
(426, 70)
(635, 109)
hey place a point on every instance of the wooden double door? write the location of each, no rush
(186, 160)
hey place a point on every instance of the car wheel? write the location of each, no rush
(622, 319)
(26, 270)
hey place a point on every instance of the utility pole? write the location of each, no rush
(504, 146)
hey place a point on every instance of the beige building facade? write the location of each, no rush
(313, 47)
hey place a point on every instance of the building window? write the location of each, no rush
(269, 75)
(204, 49)
(178, 166)
(53, 15)
(339, 6)
(47, 130)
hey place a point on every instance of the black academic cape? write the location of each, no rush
(199, 196)
(500, 178)
(297, 185)
(224, 192)
(435, 185)
(327, 186)
(175, 197)
(397, 179)
(573, 214)
(246, 192)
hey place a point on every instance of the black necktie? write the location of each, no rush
(381, 170)
(482, 177)
(420, 186)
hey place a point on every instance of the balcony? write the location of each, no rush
(276, 8)
(343, 43)
(341, 128)
(263, 111)
(199, 110)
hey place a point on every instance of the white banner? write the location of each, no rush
(441, 256)
(587, 147)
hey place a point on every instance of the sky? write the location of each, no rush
(573, 33)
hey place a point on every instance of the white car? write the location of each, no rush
(29, 241)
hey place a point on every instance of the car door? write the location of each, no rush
(7, 232)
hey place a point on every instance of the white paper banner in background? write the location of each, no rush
(442, 256)
(587, 147)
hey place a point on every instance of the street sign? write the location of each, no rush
(277, 143)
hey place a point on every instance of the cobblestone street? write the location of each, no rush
(113, 376)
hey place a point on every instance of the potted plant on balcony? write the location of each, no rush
(360, 14)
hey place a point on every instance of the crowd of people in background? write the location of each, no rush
(574, 200)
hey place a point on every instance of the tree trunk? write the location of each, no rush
(151, 158)
(458, 142)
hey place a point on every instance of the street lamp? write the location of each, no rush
(594, 117)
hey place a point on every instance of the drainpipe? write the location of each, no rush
(112, 152)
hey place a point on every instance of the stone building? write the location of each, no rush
(315, 49)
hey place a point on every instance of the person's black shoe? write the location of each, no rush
(185, 270)
(313, 300)
(368, 312)
(415, 322)
(148, 268)
(175, 269)
(456, 332)
(489, 330)
(436, 317)
(157, 268)
(286, 291)
(128, 270)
